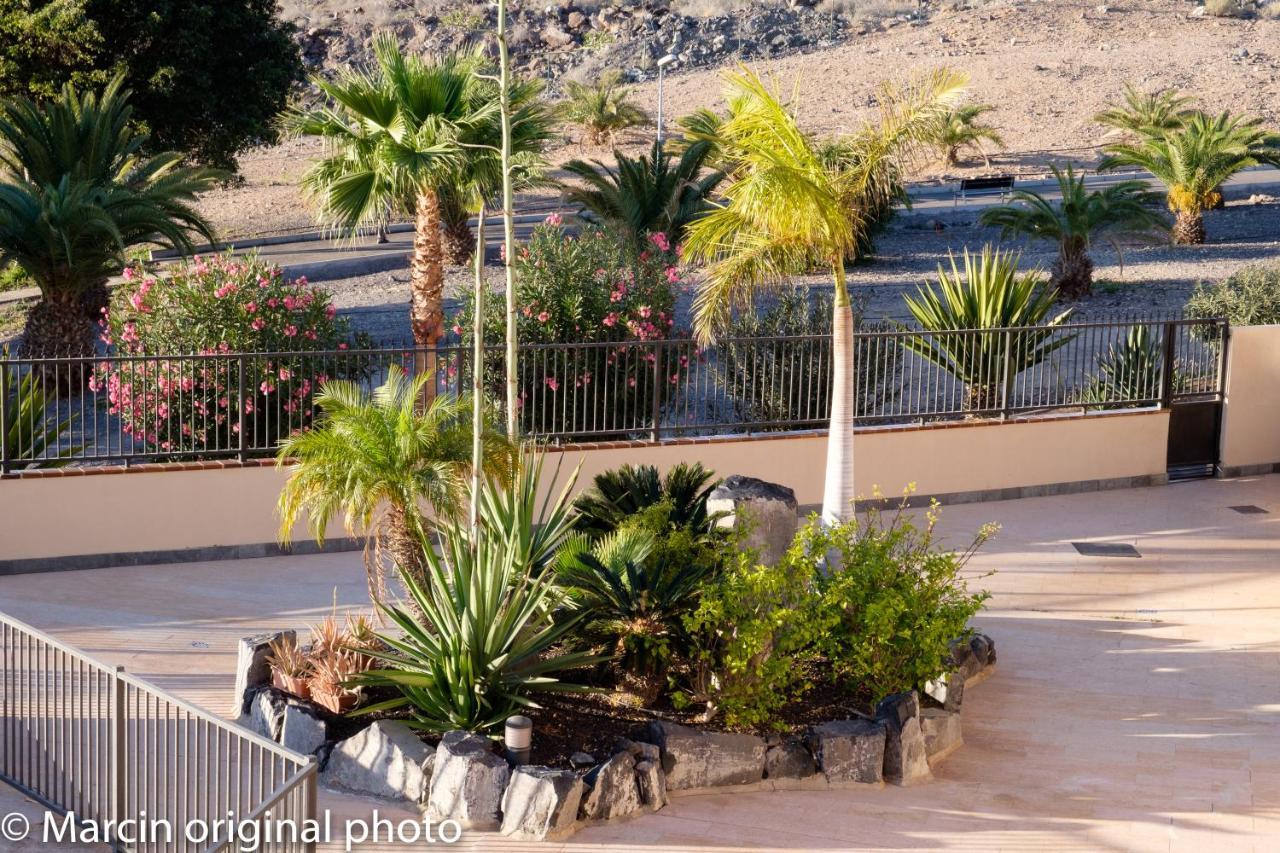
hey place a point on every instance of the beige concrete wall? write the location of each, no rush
(43, 517)
(1251, 414)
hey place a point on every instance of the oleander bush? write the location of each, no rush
(1248, 297)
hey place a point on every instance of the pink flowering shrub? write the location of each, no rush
(193, 397)
(589, 288)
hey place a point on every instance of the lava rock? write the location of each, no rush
(541, 803)
(945, 692)
(252, 670)
(905, 760)
(266, 712)
(652, 783)
(942, 732)
(614, 791)
(386, 760)
(767, 511)
(468, 782)
(849, 750)
(694, 759)
(790, 760)
(581, 759)
(302, 730)
(981, 648)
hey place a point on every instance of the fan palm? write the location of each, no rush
(987, 296)
(603, 108)
(75, 194)
(1119, 210)
(1194, 160)
(783, 207)
(646, 194)
(377, 459)
(1147, 113)
(959, 128)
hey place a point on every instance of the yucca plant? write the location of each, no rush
(617, 496)
(492, 634)
(646, 194)
(966, 314)
(1147, 113)
(1128, 372)
(960, 128)
(32, 436)
(1119, 210)
(602, 109)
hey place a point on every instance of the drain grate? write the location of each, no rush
(1105, 549)
(1249, 509)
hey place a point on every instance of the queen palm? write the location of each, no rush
(1119, 210)
(76, 194)
(1194, 160)
(379, 460)
(783, 208)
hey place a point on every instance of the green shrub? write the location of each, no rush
(13, 278)
(1248, 297)
(1226, 8)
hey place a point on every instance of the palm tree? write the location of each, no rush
(1116, 211)
(1147, 113)
(602, 109)
(646, 194)
(1194, 160)
(783, 207)
(958, 128)
(76, 194)
(377, 459)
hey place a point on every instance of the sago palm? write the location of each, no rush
(783, 208)
(1119, 210)
(966, 314)
(76, 193)
(960, 128)
(379, 461)
(646, 194)
(621, 494)
(1147, 113)
(1194, 160)
(602, 109)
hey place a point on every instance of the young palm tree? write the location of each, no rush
(959, 128)
(1120, 210)
(1147, 113)
(646, 194)
(378, 459)
(602, 109)
(1194, 160)
(75, 194)
(783, 207)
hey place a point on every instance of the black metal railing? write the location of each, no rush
(123, 408)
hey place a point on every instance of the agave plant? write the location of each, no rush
(1131, 371)
(32, 438)
(602, 109)
(619, 495)
(968, 310)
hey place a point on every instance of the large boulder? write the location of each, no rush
(905, 760)
(612, 789)
(303, 729)
(767, 511)
(265, 715)
(541, 803)
(942, 732)
(386, 760)
(252, 670)
(468, 782)
(790, 760)
(694, 759)
(849, 750)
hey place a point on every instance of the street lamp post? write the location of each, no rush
(662, 67)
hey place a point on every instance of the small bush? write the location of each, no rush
(1270, 11)
(1248, 297)
(1226, 9)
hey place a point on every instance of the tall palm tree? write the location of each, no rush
(1116, 211)
(602, 108)
(783, 207)
(959, 128)
(76, 193)
(378, 460)
(646, 194)
(1194, 160)
(1147, 113)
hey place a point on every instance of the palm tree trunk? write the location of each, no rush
(57, 328)
(839, 490)
(477, 375)
(1072, 272)
(404, 545)
(426, 283)
(459, 242)
(508, 219)
(1188, 228)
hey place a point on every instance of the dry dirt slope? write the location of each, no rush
(1047, 67)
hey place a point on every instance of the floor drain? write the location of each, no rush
(1105, 549)
(1249, 509)
(199, 644)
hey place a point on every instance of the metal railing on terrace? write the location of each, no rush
(86, 738)
(122, 408)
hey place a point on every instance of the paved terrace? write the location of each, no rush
(1134, 706)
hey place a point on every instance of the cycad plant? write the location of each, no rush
(380, 461)
(602, 109)
(1194, 160)
(620, 494)
(1119, 210)
(783, 208)
(646, 194)
(961, 128)
(967, 316)
(76, 193)
(32, 435)
(1147, 113)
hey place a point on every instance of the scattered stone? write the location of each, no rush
(642, 751)
(252, 670)
(468, 782)
(302, 730)
(553, 36)
(541, 803)
(963, 660)
(386, 760)
(849, 750)
(652, 783)
(946, 692)
(693, 759)
(581, 759)
(905, 760)
(942, 732)
(575, 20)
(981, 647)
(790, 760)
(266, 712)
(614, 791)
(766, 510)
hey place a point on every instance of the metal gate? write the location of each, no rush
(1193, 377)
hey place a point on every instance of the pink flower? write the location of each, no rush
(267, 386)
(340, 346)
(457, 329)
(552, 383)
(660, 240)
(284, 374)
(673, 275)
(128, 273)
(290, 330)
(616, 296)
(644, 311)
(330, 312)
(258, 324)
(610, 319)
(251, 307)
(543, 316)
(553, 219)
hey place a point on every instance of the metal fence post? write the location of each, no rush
(117, 766)
(4, 412)
(1005, 378)
(657, 391)
(1166, 364)
(240, 429)
(310, 811)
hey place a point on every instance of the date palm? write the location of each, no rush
(783, 207)
(959, 128)
(1147, 113)
(602, 109)
(1194, 160)
(1119, 210)
(379, 460)
(76, 193)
